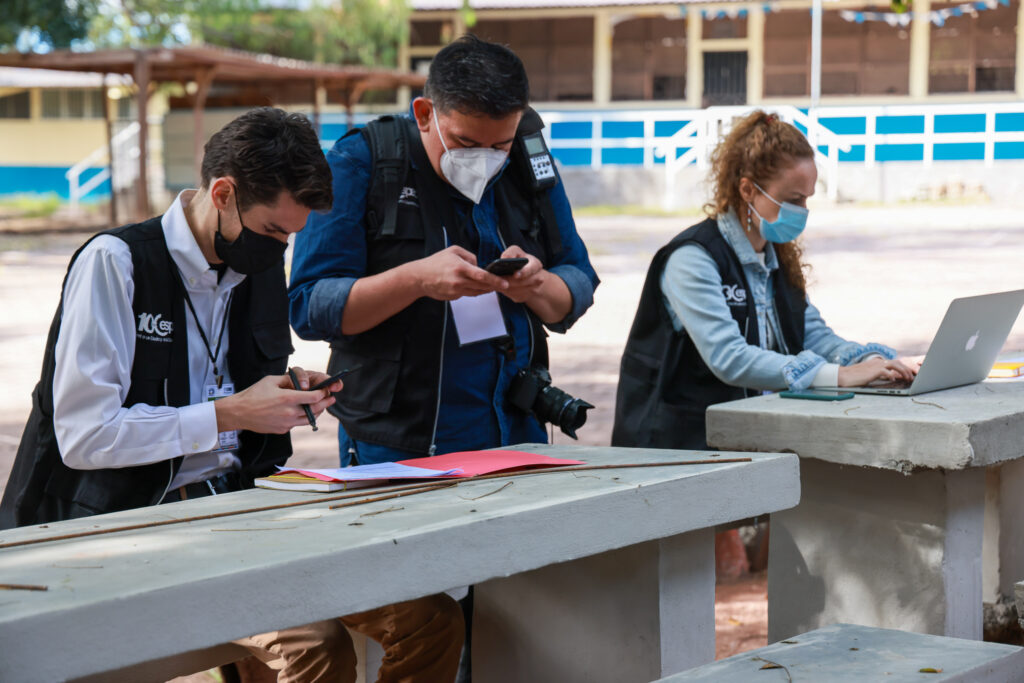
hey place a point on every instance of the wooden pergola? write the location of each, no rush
(203, 65)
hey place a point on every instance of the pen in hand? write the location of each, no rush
(305, 406)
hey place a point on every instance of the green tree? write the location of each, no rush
(53, 23)
(342, 32)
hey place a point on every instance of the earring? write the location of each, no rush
(750, 222)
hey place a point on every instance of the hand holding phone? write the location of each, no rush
(334, 378)
(506, 266)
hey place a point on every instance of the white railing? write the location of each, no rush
(692, 143)
(928, 138)
(702, 130)
(125, 145)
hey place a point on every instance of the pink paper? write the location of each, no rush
(473, 463)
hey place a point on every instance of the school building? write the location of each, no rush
(635, 95)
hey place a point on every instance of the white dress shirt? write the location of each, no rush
(96, 348)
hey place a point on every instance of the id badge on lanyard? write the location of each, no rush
(226, 441)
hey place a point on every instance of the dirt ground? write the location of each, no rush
(881, 274)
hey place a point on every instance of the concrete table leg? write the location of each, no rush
(633, 614)
(879, 548)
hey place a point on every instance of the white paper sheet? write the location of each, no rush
(383, 470)
(478, 318)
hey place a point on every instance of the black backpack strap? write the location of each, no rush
(390, 152)
(543, 211)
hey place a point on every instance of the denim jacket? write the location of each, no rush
(331, 254)
(692, 287)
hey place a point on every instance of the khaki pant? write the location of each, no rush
(422, 641)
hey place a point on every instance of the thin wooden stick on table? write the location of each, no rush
(398, 491)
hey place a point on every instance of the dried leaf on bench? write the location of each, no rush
(771, 665)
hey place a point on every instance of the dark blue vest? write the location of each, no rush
(43, 489)
(664, 385)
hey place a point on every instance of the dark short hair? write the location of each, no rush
(268, 151)
(473, 76)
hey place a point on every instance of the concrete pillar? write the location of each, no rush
(694, 58)
(755, 54)
(405, 64)
(1020, 50)
(879, 548)
(653, 600)
(920, 48)
(602, 57)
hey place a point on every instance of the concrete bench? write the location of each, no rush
(844, 652)
(603, 576)
(1018, 590)
(909, 511)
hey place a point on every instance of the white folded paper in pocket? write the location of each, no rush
(478, 318)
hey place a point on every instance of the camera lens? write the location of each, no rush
(557, 407)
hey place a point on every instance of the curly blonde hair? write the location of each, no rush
(758, 147)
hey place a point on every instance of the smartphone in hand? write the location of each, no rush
(334, 378)
(506, 266)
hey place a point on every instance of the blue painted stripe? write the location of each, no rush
(624, 156)
(571, 130)
(46, 180)
(622, 129)
(899, 152)
(1008, 150)
(960, 123)
(1010, 122)
(856, 153)
(888, 125)
(666, 129)
(572, 157)
(959, 151)
(846, 125)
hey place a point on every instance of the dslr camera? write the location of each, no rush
(532, 392)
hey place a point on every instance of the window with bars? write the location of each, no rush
(974, 52)
(649, 59)
(871, 58)
(558, 54)
(15, 106)
(72, 103)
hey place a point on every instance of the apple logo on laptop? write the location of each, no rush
(972, 340)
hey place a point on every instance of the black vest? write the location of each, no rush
(664, 385)
(395, 398)
(43, 489)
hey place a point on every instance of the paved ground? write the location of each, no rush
(881, 274)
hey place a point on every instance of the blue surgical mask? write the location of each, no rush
(787, 226)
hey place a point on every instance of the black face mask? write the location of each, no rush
(251, 252)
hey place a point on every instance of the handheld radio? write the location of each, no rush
(542, 166)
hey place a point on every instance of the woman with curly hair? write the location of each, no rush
(724, 312)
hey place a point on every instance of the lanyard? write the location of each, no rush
(215, 353)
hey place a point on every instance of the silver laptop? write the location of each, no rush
(965, 347)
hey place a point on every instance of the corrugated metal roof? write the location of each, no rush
(426, 5)
(14, 77)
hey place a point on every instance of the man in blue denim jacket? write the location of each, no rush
(380, 294)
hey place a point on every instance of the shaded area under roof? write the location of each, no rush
(202, 65)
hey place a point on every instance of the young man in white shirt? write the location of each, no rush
(164, 379)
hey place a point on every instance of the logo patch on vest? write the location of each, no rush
(409, 197)
(152, 328)
(734, 295)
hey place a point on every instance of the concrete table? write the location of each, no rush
(845, 653)
(912, 507)
(589, 576)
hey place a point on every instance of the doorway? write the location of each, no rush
(725, 78)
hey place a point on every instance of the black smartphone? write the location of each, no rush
(818, 394)
(334, 378)
(506, 266)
